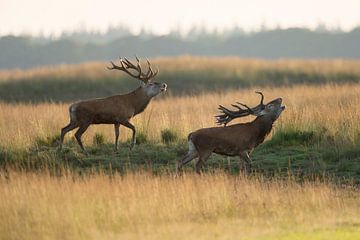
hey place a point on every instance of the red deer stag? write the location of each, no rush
(235, 140)
(117, 109)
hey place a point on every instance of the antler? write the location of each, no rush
(229, 115)
(126, 65)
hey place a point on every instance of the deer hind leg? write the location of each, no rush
(79, 133)
(203, 156)
(72, 125)
(192, 153)
(246, 162)
(117, 126)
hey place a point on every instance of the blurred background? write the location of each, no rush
(41, 32)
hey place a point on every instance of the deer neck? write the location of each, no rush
(141, 100)
(264, 125)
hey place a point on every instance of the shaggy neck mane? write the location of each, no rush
(141, 100)
(264, 125)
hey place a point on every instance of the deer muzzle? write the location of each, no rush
(163, 87)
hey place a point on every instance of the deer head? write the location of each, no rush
(135, 70)
(272, 109)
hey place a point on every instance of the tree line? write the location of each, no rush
(29, 51)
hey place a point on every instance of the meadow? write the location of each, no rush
(306, 174)
(144, 206)
(317, 134)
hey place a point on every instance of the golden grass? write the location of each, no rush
(330, 107)
(142, 206)
(227, 65)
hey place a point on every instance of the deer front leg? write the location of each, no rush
(116, 126)
(246, 160)
(132, 127)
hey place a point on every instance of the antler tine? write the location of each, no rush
(112, 67)
(122, 65)
(262, 97)
(229, 115)
(236, 106)
(222, 119)
(126, 64)
(131, 65)
(149, 72)
(246, 106)
(138, 65)
(226, 111)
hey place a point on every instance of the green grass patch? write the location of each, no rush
(169, 136)
(286, 154)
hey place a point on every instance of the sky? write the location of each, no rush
(161, 16)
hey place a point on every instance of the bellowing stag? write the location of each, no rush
(234, 140)
(117, 109)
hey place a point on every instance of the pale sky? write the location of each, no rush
(159, 16)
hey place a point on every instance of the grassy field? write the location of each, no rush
(144, 206)
(317, 134)
(306, 178)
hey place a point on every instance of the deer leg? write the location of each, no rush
(202, 159)
(246, 162)
(117, 126)
(132, 127)
(65, 130)
(79, 133)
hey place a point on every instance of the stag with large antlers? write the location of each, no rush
(234, 140)
(117, 109)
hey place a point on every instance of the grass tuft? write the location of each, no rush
(99, 139)
(169, 136)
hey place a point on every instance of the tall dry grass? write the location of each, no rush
(328, 109)
(226, 65)
(142, 206)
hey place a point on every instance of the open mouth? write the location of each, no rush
(163, 89)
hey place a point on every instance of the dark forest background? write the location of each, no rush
(82, 46)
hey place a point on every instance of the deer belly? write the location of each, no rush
(104, 118)
(227, 150)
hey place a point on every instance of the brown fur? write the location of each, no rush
(117, 110)
(234, 140)
(111, 110)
